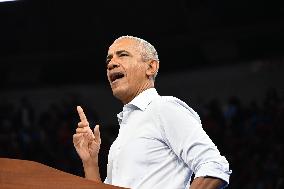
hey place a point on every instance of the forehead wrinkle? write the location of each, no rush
(129, 45)
(117, 53)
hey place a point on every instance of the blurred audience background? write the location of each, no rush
(249, 133)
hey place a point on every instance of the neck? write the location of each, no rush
(144, 87)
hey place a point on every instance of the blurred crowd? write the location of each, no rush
(250, 136)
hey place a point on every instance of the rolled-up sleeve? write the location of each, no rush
(214, 169)
(184, 134)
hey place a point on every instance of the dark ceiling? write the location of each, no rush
(65, 42)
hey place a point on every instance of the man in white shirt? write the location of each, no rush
(161, 142)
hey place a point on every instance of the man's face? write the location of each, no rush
(126, 71)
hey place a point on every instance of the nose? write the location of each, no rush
(112, 64)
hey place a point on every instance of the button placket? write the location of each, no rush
(120, 140)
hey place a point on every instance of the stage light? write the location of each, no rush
(1, 1)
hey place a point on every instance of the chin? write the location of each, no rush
(120, 93)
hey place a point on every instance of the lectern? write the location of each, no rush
(24, 174)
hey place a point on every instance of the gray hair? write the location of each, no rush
(148, 51)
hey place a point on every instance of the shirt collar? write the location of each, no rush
(141, 101)
(144, 99)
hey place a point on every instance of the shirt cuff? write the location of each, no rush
(106, 181)
(214, 169)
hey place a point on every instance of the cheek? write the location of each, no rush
(135, 76)
(138, 70)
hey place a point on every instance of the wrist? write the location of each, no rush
(90, 162)
(91, 169)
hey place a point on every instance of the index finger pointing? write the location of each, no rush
(81, 114)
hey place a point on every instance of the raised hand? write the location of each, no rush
(86, 142)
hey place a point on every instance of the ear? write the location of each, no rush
(152, 69)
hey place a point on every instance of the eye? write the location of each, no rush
(123, 54)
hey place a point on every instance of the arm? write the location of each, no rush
(184, 134)
(207, 183)
(87, 145)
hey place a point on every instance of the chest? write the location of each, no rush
(138, 144)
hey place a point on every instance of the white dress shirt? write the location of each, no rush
(160, 144)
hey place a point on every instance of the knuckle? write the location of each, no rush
(83, 124)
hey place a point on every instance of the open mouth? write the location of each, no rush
(116, 76)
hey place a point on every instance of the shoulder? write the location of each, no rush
(174, 105)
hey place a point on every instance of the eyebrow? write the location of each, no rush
(109, 56)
